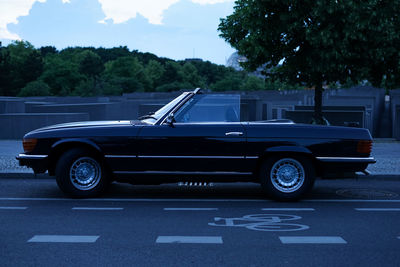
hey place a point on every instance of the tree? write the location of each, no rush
(36, 88)
(317, 42)
(128, 73)
(61, 75)
(253, 83)
(154, 71)
(90, 64)
(20, 63)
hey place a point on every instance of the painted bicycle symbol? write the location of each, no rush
(262, 222)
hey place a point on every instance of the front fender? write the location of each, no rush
(76, 140)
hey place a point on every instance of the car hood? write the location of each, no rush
(84, 124)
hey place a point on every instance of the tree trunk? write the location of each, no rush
(318, 119)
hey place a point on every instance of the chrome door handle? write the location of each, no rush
(234, 134)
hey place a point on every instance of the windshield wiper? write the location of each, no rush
(147, 116)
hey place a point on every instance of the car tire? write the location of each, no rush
(80, 174)
(287, 178)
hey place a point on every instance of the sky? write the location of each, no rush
(176, 29)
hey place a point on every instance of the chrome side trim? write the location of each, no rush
(182, 173)
(181, 157)
(192, 157)
(347, 159)
(25, 156)
(119, 156)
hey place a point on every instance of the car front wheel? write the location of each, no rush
(287, 178)
(80, 174)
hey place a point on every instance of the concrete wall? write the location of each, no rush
(11, 105)
(16, 125)
(395, 104)
(256, 105)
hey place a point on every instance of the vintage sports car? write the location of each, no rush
(195, 137)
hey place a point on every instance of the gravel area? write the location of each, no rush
(386, 152)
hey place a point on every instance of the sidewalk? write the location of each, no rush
(386, 152)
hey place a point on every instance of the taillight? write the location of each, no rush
(364, 146)
(29, 144)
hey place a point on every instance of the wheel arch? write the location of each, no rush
(60, 147)
(286, 151)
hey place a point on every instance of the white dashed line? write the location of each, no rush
(13, 208)
(354, 200)
(92, 208)
(288, 209)
(190, 239)
(377, 209)
(312, 240)
(190, 200)
(185, 209)
(63, 239)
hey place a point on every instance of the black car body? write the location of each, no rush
(195, 137)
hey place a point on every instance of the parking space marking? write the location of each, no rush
(288, 209)
(190, 239)
(312, 240)
(13, 208)
(377, 209)
(95, 208)
(63, 239)
(185, 209)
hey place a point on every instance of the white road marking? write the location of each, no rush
(377, 209)
(13, 208)
(93, 208)
(190, 239)
(354, 200)
(288, 209)
(190, 200)
(312, 240)
(64, 239)
(195, 209)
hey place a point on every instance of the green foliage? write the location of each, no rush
(316, 42)
(20, 64)
(90, 64)
(35, 88)
(154, 71)
(89, 71)
(253, 83)
(61, 75)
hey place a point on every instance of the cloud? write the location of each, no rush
(120, 11)
(10, 10)
(123, 10)
(210, 2)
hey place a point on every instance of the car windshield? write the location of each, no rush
(210, 108)
(153, 117)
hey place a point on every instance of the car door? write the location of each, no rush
(207, 136)
(192, 147)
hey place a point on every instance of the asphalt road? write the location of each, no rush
(341, 223)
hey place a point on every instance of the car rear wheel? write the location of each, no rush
(79, 173)
(287, 178)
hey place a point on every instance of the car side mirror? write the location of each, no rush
(170, 119)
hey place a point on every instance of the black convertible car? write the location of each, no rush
(195, 137)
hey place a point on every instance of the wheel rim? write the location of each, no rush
(287, 175)
(85, 173)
